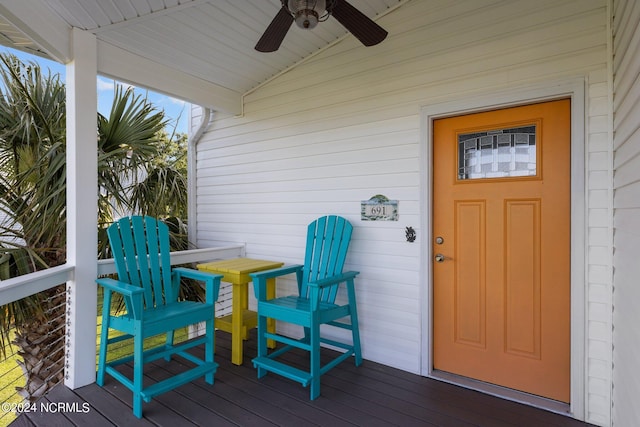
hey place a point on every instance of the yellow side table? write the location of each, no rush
(236, 271)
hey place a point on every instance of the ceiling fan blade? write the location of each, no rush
(275, 32)
(358, 24)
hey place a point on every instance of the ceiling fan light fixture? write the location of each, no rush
(307, 13)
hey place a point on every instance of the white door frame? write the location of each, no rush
(570, 88)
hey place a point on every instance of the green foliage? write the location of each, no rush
(126, 142)
(32, 162)
(141, 167)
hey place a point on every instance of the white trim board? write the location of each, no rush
(575, 89)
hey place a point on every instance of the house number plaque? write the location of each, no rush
(379, 208)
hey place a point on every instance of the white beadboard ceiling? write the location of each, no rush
(212, 40)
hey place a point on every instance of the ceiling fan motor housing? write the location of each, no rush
(307, 13)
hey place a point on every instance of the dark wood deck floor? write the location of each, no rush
(371, 395)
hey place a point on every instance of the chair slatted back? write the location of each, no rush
(141, 251)
(328, 239)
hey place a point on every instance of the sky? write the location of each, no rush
(176, 110)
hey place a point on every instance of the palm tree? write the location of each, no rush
(32, 162)
(32, 191)
(33, 196)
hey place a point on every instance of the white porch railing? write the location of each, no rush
(23, 286)
(30, 284)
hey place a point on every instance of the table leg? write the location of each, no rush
(271, 323)
(236, 324)
(244, 291)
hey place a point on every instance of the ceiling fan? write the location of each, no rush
(307, 14)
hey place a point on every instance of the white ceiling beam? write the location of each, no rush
(36, 20)
(125, 66)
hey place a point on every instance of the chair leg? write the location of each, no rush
(262, 343)
(209, 348)
(355, 333)
(102, 357)
(307, 335)
(355, 330)
(314, 337)
(138, 363)
(104, 337)
(169, 344)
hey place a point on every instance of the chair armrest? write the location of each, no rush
(318, 291)
(211, 281)
(260, 278)
(276, 272)
(132, 296)
(122, 288)
(333, 280)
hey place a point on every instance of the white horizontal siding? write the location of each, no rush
(627, 212)
(345, 125)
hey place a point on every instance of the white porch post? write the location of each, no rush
(82, 209)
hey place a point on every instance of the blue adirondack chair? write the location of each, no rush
(318, 282)
(150, 289)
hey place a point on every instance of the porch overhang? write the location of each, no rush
(201, 51)
(35, 29)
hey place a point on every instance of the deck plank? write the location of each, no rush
(42, 417)
(369, 395)
(104, 402)
(22, 421)
(82, 412)
(445, 404)
(275, 408)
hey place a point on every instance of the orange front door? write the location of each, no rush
(501, 267)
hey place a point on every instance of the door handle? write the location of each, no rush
(439, 258)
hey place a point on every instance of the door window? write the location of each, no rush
(499, 153)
